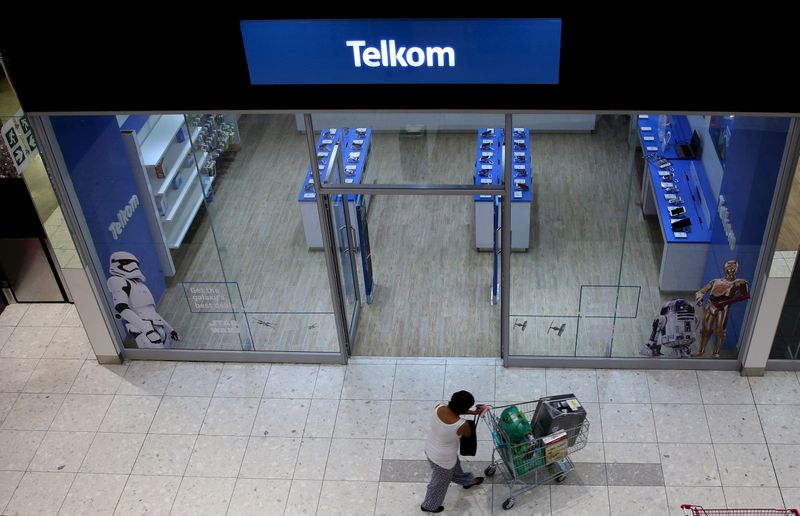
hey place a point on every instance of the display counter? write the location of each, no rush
(678, 192)
(489, 170)
(355, 149)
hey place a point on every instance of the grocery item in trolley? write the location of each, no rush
(533, 441)
(556, 413)
(517, 429)
(555, 446)
(514, 423)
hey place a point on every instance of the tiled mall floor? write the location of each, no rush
(212, 438)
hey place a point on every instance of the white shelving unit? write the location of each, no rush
(184, 190)
(160, 137)
(170, 176)
(185, 215)
(182, 150)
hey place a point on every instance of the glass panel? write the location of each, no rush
(211, 208)
(784, 265)
(411, 148)
(653, 255)
(786, 345)
(564, 289)
(266, 230)
(341, 158)
(200, 298)
(344, 237)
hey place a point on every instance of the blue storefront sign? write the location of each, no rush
(493, 51)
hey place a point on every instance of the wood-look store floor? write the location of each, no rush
(432, 287)
(789, 236)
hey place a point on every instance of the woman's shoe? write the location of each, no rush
(439, 509)
(478, 481)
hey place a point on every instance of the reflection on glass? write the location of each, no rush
(197, 232)
(565, 290)
(251, 281)
(624, 242)
(784, 265)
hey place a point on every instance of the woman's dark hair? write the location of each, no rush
(461, 401)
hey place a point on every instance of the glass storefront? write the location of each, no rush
(631, 236)
(195, 230)
(648, 253)
(786, 345)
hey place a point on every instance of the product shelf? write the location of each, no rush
(182, 223)
(184, 190)
(185, 149)
(159, 139)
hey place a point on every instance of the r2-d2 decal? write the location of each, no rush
(675, 328)
(134, 304)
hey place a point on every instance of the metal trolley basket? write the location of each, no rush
(696, 510)
(525, 466)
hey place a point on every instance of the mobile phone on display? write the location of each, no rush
(677, 211)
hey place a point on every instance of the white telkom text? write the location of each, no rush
(389, 54)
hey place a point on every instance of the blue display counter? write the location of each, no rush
(489, 170)
(676, 190)
(355, 151)
(680, 132)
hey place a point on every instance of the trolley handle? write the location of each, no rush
(698, 510)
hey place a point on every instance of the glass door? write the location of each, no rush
(420, 202)
(344, 214)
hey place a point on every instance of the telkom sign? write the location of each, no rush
(390, 54)
(507, 51)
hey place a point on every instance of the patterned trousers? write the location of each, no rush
(440, 481)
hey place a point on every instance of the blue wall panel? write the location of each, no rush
(748, 185)
(103, 179)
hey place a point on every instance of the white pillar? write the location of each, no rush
(93, 322)
(768, 316)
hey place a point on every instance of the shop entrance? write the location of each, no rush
(430, 291)
(412, 278)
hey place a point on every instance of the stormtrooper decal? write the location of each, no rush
(135, 305)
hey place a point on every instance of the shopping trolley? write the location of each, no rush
(526, 465)
(696, 510)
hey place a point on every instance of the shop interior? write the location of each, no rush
(238, 266)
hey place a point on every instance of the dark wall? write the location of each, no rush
(18, 216)
(673, 59)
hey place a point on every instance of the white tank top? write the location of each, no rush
(442, 444)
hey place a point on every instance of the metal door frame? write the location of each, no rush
(324, 193)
